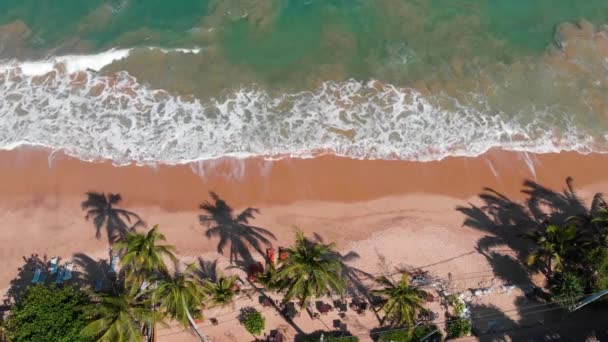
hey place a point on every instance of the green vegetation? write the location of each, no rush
(180, 297)
(116, 318)
(458, 325)
(222, 291)
(402, 302)
(406, 335)
(553, 244)
(310, 270)
(567, 288)
(142, 258)
(48, 313)
(253, 321)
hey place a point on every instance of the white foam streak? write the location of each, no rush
(75, 63)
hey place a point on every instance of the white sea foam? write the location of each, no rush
(75, 63)
(91, 116)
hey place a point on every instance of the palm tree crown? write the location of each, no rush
(234, 230)
(552, 245)
(181, 296)
(221, 291)
(310, 270)
(143, 256)
(402, 302)
(116, 318)
(101, 208)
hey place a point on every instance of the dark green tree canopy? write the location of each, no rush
(48, 313)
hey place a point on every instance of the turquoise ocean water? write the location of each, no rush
(174, 81)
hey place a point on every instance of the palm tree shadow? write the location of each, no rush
(548, 205)
(207, 269)
(23, 280)
(490, 323)
(355, 277)
(101, 208)
(234, 230)
(508, 221)
(91, 273)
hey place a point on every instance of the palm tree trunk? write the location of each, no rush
(193, 323)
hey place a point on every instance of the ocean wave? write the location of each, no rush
(74, 63)
(91, 116)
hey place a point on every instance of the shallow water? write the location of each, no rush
(405, 79)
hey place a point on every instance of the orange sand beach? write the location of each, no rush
(391, 213)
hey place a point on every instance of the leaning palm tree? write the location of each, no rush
(234, 230)
(143, 258)
(116, 318)
(402, 302)
(553, 243)
(180, 296)
(102, 209)
(222, 291)
(310, 270)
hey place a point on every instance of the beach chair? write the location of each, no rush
(67, 274)
(37, 274)
(60, 275)
(114, 263)
(54, 265)
(99, 284)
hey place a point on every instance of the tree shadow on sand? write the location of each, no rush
(101, 208)
(234, 230)
(507, 222)
(206, 269)
(93, 273)
(24, 277)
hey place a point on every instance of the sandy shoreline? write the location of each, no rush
(400, 212)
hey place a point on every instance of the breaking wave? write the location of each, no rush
(65, 104)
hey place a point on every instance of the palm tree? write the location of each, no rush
(234, 230)
(552, 245)
(310, 270)
(116, 318)
(101, 208)
(402, 302)
(222, 291)
(143, 256)
(180, 296)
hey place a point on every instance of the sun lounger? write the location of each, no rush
(99, 284)
(114, 263)
(54, 265)
(60, 275)
(37, 274)
(67, 275)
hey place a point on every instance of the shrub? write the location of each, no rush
(597, 262)
(47, 313)
(410, 336)
(253, 320)
(458, 327)
(567, 288)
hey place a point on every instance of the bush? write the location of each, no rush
(47, 313)
(253, 320)
(458, 327)
(567, 288)
(410, 336)
(597, 262)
